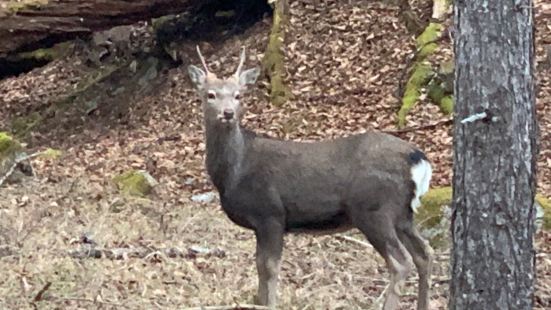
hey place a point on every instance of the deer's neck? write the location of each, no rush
(225, 152)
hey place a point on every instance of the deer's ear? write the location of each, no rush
(197, 76)
(248, 76)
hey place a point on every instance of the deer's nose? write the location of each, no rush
(228, 114)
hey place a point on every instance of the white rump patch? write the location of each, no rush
(420, 174)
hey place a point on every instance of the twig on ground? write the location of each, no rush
(360, 242)
(140, 252)
(16, 162)
(40, 293)
(446, 121)
(100, 302)
(379, 301)
(237, 306)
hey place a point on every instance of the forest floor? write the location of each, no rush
(344, 65)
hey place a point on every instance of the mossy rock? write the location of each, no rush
(429, 35)
(135, 183)
(10, 149)
(545, 205)
(431, 203)
(433, 217)
(8, 145)
(422, 73)
(437, 93)
(47, 54)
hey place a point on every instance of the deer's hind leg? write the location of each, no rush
(422, 253)
(380, 232)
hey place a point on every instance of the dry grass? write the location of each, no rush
(48, 221)
(71, 202)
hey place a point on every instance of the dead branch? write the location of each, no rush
(236, 307)
(40, 293)
(16, 162)
(447, 121)
(142, 253)
(88, 300)
(353, 240)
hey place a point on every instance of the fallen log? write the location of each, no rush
(31, 24)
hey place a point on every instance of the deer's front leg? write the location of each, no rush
(269, 244)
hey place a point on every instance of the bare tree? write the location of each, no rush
(495, 134)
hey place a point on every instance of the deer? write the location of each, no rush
(371, 181)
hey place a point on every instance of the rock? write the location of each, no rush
(10, 151)
(135, 183)
(204, 197)
(543, 212)
(433, 217)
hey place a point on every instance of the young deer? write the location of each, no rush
(369, 181)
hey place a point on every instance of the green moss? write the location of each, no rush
(51, 154)
(422, 73)
(427, 50)
(273, 61)
(21, 125)
(47, 54)
(8, 145)
(545, 203)
(157, 23)
(437, 94)
(430, 212)
(433, 217)
(16, 6)
(446, 105)
(134, 183)
(430, 34)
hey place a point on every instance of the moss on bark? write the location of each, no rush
(273, 61)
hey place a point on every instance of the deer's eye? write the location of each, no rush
(237, 96)
(211, 95)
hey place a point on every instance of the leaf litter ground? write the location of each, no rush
(344, 63)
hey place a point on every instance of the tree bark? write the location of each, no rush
(494, 156)
(42, 25)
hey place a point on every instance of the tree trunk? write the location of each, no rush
(44, 23)
(494, 156)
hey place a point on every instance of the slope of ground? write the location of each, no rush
(344, 62)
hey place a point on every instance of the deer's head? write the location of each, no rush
(221, 96)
